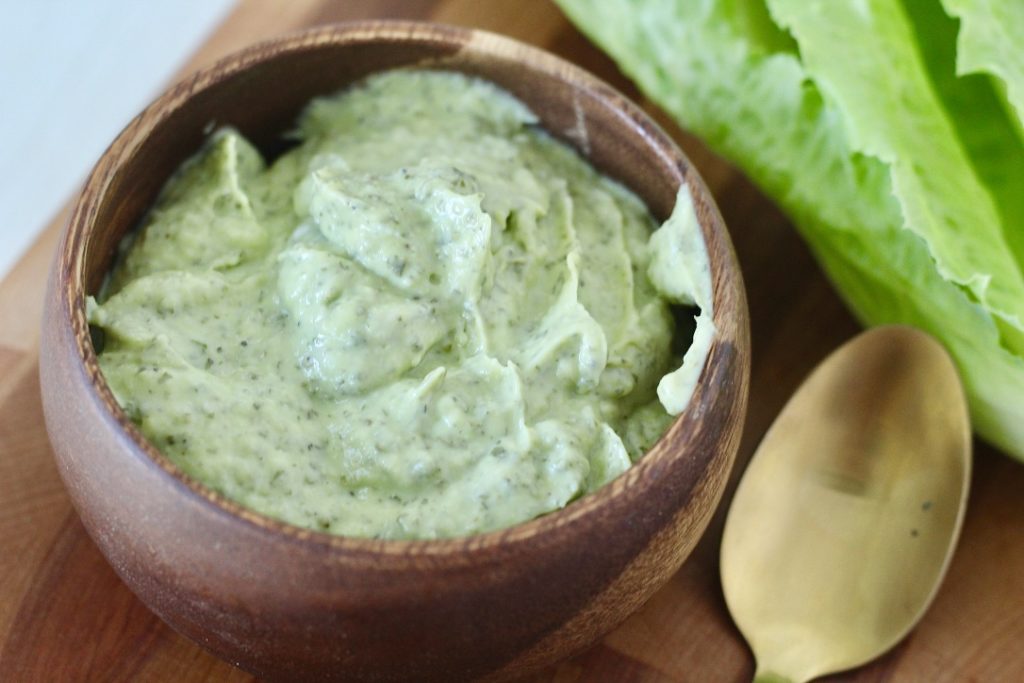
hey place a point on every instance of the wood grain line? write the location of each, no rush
(531, 21)
(603, 664)
(14, 365)
(22, 289)
(351, 10)
(60, 633)
(9, 361)
(32, 498)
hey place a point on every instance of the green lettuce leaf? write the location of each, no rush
(864, 59)
(847, 116)
(990, 134)
(990, 42)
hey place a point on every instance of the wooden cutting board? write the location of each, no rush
(65, 616)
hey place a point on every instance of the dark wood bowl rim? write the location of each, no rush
(71, 287)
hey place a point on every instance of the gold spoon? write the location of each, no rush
(846, 519)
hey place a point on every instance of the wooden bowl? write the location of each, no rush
(290, 604)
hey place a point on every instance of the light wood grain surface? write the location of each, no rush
(65, 616)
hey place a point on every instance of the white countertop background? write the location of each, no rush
(72, 74)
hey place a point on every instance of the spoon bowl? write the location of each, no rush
(846, 519)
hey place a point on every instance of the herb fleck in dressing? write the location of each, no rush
(429, 319)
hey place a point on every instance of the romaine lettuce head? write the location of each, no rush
(889, 131)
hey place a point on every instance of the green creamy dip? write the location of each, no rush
(428, 319)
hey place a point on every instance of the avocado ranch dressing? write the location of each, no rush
(429, 319)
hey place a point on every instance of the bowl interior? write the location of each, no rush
(261, 91)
